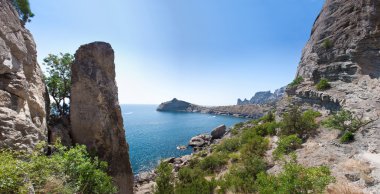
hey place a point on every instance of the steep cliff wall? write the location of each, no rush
(95, 113)
(22, 90)
(344, 48)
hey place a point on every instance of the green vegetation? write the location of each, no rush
(347, 123)
(297, 81)
(327, 44)
(23, 9)
(301, 124)
(193, 181)
(244, 156)
(347, 137)
(295, 179)
(213, 163)
(286, 145)
(323, 84)
(58, 82)
(164, 179)
(65, 171)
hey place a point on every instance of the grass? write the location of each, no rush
(297, 81)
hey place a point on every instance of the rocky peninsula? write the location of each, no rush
(253, 111)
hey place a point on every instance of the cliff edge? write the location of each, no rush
(22, 90)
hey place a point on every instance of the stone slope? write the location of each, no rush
(95, 113)
(22, 90)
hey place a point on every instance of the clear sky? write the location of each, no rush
(208, 52)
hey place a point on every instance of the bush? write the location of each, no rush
(296, 122)
(327, 44)
(295, 179)
(193, 181)
(345, 121)
(269, 117)
(213, 162)
(255, 146)
(323, 84)
(164, 179)
(347, 137)
(286, 145)
(268, 128)
(241, 179)
(23, 9)
(297, 81)
(229, 145)
(71, 170)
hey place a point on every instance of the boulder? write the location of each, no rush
(95, 113)
(218, 132)
(22, 89)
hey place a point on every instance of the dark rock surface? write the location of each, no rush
(95, 112)
(218, 132)
(22, 90)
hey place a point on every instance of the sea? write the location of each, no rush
(153, 135)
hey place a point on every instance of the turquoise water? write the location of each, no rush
(155, 135)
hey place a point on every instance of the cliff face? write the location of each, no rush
(344, 48)
(22, 90)
(95, 113)
(264, 97)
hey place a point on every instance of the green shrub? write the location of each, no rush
(297, 81)
(296, 122)
(229, 145)
(164, 179)
(295, 179)
(65, 171)
(345, 121)
(268, 128)
(347, 137)
(193, 181)
(23, 9)
(269, 117)
(323, 84)
(256, 146)
(241, 179)
(327, 44)
(213, 162)
(286, 145)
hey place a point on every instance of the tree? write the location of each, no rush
(23, 9)
(58, 82)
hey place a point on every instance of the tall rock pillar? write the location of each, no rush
(95, 113)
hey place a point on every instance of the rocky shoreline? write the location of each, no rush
(251, 111)
(144, 181)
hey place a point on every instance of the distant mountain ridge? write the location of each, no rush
(264, 97)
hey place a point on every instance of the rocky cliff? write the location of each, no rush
(95, 113)
(22, 90)
(344, 48)
(264, 97)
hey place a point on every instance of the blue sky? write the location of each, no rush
(208, 52)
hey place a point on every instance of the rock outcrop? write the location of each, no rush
(264, 97)
(344, 48)
(218, 132)
(174, 105)
(22, 90)
(95, 113)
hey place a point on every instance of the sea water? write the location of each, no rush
(154, 135)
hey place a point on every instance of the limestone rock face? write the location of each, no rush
(264, 97)
(218, 132)
(22, 90)
(95, 114)
(344, 42)
(174, 105)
